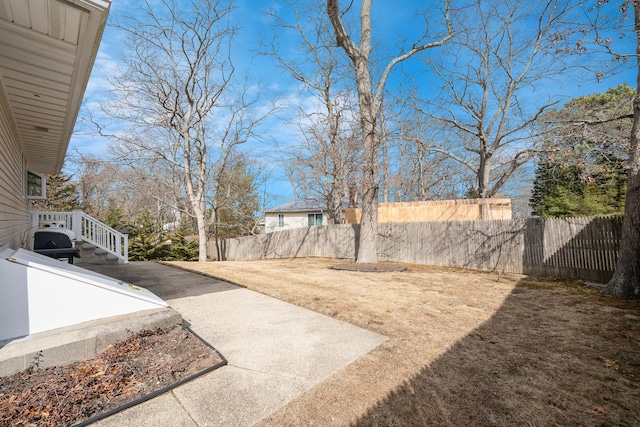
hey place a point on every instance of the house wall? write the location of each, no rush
(437, 210)
(291, 220)
(14, 207)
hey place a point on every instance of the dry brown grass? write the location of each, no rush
(464, 348)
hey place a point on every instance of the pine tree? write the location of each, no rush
(563, 190)
(114, 214)
(182, 249)
(238, 201)
(62, 195)
(146, 242)
(584, 172)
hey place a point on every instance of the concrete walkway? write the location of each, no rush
(276, 351)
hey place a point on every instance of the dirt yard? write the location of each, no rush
(464, 347)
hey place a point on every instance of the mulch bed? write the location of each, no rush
(143, 364)
(378, 267)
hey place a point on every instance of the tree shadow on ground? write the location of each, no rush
(553, 354)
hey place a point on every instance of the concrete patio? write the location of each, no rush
(275, 351)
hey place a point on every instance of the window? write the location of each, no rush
(280, 220)
(315, 219)
(36, 186)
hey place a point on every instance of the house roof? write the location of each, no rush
(47, 50)
(307, 204)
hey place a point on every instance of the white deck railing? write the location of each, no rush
(89, 230)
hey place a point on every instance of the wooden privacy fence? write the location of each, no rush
(571, 248)
(436, 210)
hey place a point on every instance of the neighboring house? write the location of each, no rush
(313, 212)
(308, 212)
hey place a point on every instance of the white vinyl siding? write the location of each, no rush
(14, 207)
(291, 220)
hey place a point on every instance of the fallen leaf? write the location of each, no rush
(600, 410)
(98, 374)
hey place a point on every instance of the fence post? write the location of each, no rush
(76, 224)
(125, 237)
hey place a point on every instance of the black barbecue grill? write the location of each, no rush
(55, 245)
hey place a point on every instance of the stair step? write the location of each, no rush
(91, 254)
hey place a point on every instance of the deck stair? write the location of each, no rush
(98, 243)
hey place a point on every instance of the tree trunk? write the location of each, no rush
(202, 232)
(202, 243)
(422, 191)
(625, 282)
(484, 173)
(214, 222)
(370, 110)
(335, 204)
(368, 242)
(385, 170)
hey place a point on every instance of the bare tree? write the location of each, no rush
(358, 48)
(323, 161)
(95, 180)
(423, 173)
(155, 187)
(103, 182)
(316, 165)
(503, 54)
(177, 94)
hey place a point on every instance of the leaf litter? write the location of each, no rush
(146, 362)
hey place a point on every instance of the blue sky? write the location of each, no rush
(395, 20)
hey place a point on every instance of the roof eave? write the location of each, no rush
(47, 52)
(85, 59)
